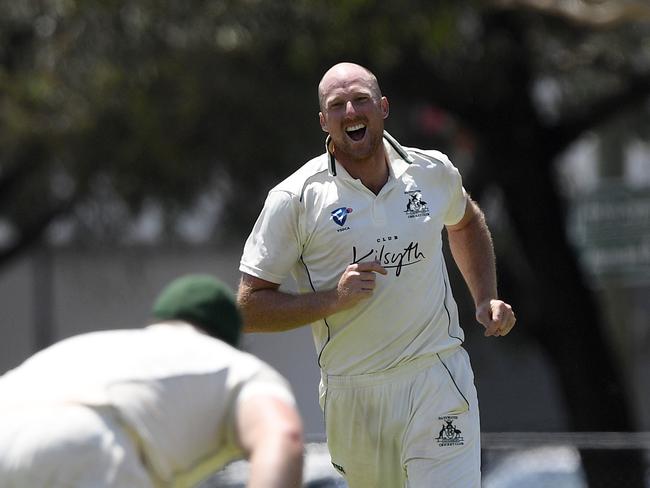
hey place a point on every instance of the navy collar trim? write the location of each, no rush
(390, 139)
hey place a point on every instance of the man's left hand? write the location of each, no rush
(496, 316)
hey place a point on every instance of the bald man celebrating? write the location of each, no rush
(360, 230)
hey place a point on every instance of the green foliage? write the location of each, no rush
(140, 102)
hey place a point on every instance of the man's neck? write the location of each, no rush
(373, 171)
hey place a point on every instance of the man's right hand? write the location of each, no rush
(357, 283)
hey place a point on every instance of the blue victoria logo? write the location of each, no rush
(340, 215)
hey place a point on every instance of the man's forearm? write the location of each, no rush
(276, 466)
(270, 310)
(472, 249)
(267, 309)
(270, 431)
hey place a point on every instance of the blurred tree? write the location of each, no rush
(111, 108)
(108, 107)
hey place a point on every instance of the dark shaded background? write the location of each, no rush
(126, 122)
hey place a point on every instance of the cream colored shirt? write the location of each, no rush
(175, 388)
(320, 219)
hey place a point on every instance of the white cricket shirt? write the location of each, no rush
(175, 388)
(320, 219)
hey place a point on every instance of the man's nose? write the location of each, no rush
(349, 107)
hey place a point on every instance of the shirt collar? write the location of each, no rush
(398, 158)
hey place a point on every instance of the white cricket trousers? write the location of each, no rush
(67, 446)
(414, 426)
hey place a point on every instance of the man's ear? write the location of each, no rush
(385, 107)
(323, 122)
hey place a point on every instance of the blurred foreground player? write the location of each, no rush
(165, 405)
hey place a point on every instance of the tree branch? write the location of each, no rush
(569, 129)
(603, 14)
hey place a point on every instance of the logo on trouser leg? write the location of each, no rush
(339, 468)
(449, 434)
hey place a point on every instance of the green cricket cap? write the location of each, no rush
(202, 301)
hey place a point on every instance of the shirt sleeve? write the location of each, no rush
(274, 244)
(457, 196)
(267, 382)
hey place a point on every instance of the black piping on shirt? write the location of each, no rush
(447, 294)
(324, 319)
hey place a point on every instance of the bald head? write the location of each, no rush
(346, 72)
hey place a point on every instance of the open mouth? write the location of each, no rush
(356, 132)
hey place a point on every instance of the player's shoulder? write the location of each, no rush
(431, 165)
(172, 340)
(429, 157)
(244, 366)
(313, 171)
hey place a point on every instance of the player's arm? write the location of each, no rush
(471, 245)
(270, 431)
(266, 309)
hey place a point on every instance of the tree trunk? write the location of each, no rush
(571, 330)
